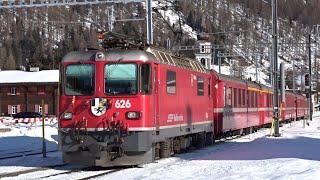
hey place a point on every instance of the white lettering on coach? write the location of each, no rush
(121, 104)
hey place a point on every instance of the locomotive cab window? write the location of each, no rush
(171, 82)
(145, 74)
(200, 86)
(120, 79)
(79, 79)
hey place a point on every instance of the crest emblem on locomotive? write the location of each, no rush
(98, 106)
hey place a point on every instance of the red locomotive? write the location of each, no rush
(128, 107)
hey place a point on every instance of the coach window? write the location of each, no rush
(79, 79)
(200, 85)
(171, 82)
(235, 94)
(243, 97)
(256, 94)
(250, 99)
(228, 96)
(145, 74)
(239, 97)
(254, 99)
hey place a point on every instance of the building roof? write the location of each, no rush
(15, 76)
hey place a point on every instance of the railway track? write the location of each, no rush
(67, 170)
(85, 173)
(12, 155)
(17, 173)
(101, 174)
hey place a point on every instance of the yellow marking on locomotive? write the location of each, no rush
(259, 90)
(102, 103)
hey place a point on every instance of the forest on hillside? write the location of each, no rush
(42, 36)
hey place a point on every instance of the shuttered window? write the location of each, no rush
(14, 109)
(38, 108)
(9, 109)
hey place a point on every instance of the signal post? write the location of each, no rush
(275, 69)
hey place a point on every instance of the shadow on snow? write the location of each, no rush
(24, 145)
(260, 149)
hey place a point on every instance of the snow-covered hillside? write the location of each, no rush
(250, 37)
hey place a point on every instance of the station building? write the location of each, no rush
(23, 91)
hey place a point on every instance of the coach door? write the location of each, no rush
(156, 96)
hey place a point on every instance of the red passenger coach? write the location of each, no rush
(240, 105)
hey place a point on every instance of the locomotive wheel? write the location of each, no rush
(248, 130)
(165, 149)
(209, 139)
(200, 140)
(157, 151)
(176, 145)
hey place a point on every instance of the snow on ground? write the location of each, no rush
(294, 155)
(28, 137)
(25, 136)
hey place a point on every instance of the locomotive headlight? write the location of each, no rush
(67, 115)
(133, 115)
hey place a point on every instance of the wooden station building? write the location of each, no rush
(22, 91)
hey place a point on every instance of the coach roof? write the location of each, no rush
(110, 55)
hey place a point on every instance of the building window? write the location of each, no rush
(171, 82)
(13, 91)
(13, 109)
(203, 61)
(40, 109)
